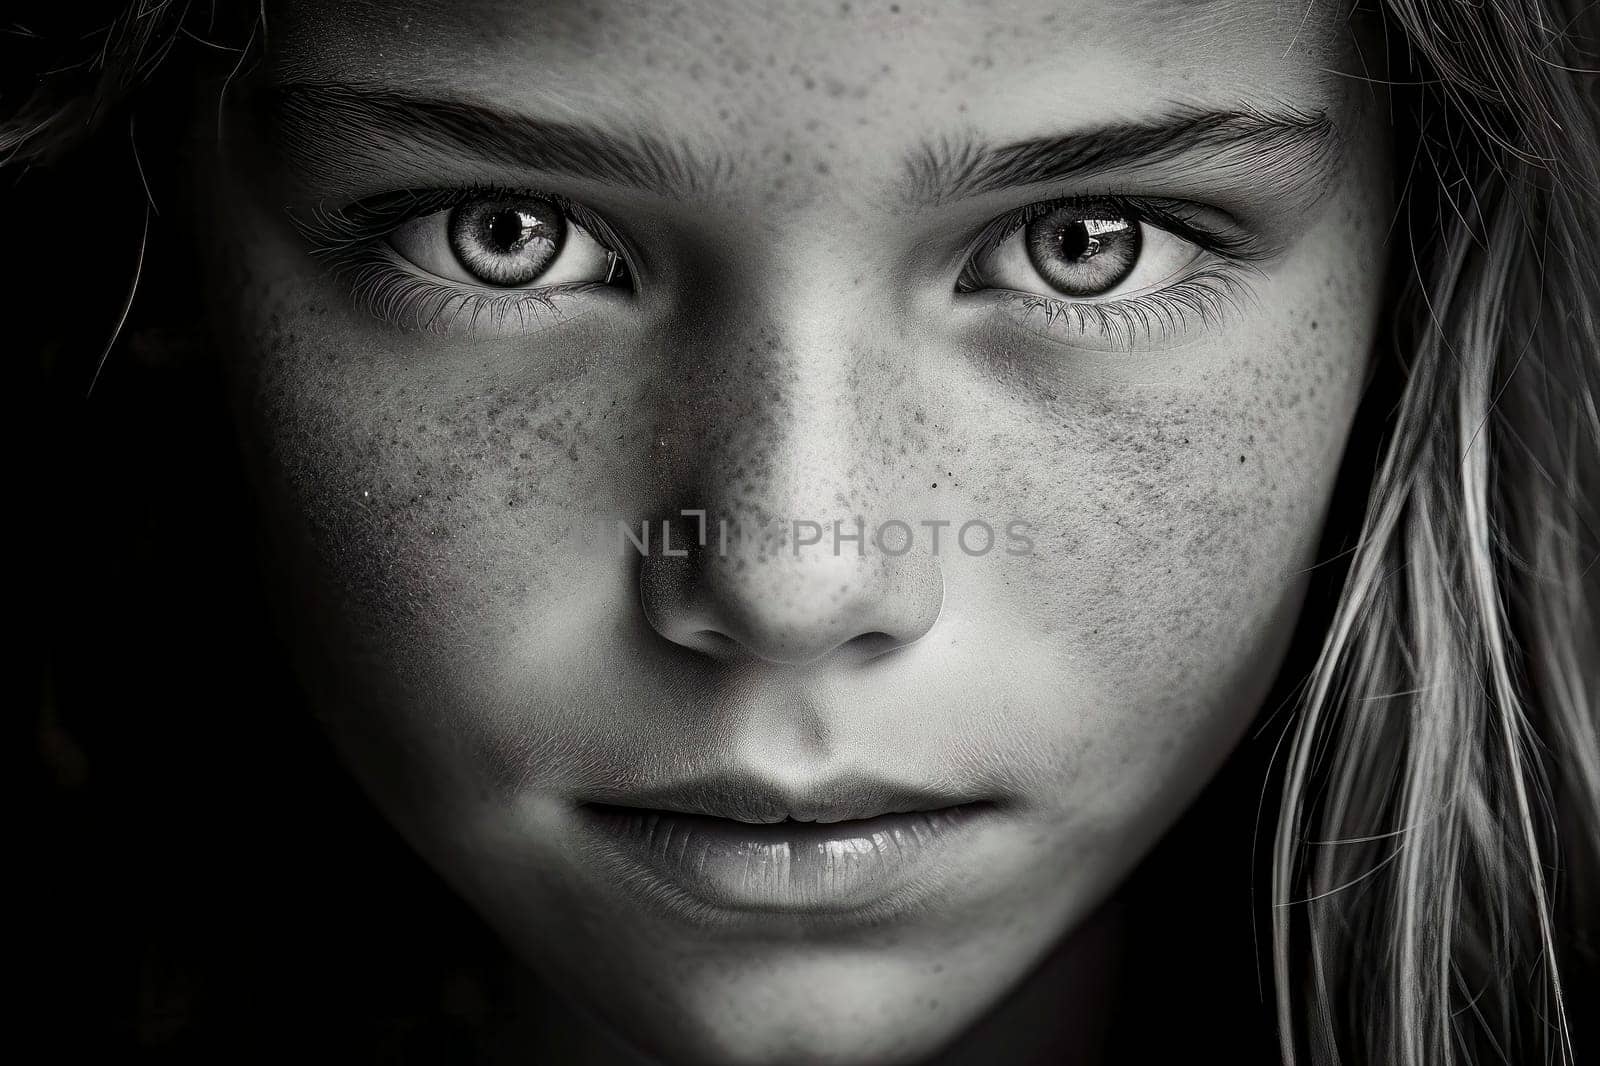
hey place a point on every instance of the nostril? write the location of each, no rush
(873, 645)
(708, 606)
(712, 642)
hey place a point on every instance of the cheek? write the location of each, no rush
(424, 499)
(1175, 511)
(1179, 508)
(423, 492)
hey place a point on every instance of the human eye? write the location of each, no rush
(471, 260)
(1113, 271)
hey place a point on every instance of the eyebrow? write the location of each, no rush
(317, 123)
(1281, 146)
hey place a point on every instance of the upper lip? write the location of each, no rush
(758, 800)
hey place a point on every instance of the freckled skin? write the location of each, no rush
(797, 353)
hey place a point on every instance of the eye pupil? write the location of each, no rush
(507, 242)
(1082, 256)
(510, 229)
(1076, 244)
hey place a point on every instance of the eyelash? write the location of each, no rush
(350, 240)
(1205, 295)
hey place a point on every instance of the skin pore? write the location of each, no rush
(794, 192)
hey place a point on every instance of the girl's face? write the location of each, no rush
(1063, 308)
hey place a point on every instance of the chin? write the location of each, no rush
(821, 1010)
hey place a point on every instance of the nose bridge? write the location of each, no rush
(776, 458)
(793, 420)
(774, 393)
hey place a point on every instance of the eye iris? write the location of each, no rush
(506, 242)
(1082, 256)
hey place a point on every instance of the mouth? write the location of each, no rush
(741, 845)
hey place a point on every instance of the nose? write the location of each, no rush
(802, 554)
(773, 602)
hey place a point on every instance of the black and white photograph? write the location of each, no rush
(806, 532)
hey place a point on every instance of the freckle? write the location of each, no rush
(935, 485)
(1313, 323)
(1241, 458)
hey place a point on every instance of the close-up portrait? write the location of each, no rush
(808, 532)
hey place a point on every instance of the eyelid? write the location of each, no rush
(334, 231)
(1125, 324)
(352, 240)
(1174, 216)
(1206, 292)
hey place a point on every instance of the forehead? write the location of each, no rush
(740, 71)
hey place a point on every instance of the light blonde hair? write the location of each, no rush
(1438, 839)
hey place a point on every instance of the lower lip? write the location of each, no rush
(789, 867)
